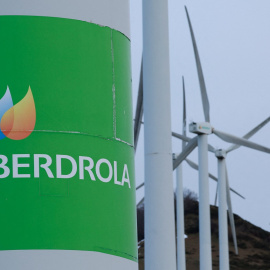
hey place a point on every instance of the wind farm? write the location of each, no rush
(178, 179)
(242, 114)
(225, 109)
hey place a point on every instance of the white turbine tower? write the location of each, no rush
(180, 243)
(159, 208)
(203, 130)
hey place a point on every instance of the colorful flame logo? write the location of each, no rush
(18, 121)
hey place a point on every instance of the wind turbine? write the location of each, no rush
(204, 129)
(222, 186)
(140, 115)
(179, 189)
(221, 154)
(181, 263)
(180, 214)
(247, 136)
(231, 139)
(179, 194)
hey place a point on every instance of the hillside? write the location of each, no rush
(253, 242)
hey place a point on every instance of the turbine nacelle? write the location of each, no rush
(200, 128)
(220, 153)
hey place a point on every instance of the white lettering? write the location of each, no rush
(16, 165)
(115, 174)
(5, 168)
(87, 168)
(44, 166)
(66, 167)
(125, 177)
(101, 178)
(59, 166)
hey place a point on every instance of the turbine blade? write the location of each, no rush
(140, 202)
(211, 148)
(196, 167)
(205, 102)
(139, 110)
(181, 137)
(240, 141)
(249, 134)
(139, 186)
(187, 139)
(230, 212)
(184, 114)
(186, 151)
(216, 195)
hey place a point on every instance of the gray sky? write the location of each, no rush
(233, 40)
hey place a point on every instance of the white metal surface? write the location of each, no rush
(114, 14)
(181, 254)
(62, 259)
(222, 217)
(160, 250)
(204, 206)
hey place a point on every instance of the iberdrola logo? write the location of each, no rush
(17, 121)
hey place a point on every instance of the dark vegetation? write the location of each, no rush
(253, 242)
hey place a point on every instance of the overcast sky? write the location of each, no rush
(233, 40)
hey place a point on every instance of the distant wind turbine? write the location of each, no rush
(223, 184)
(221, 155)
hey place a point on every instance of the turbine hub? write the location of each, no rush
(220, 153)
